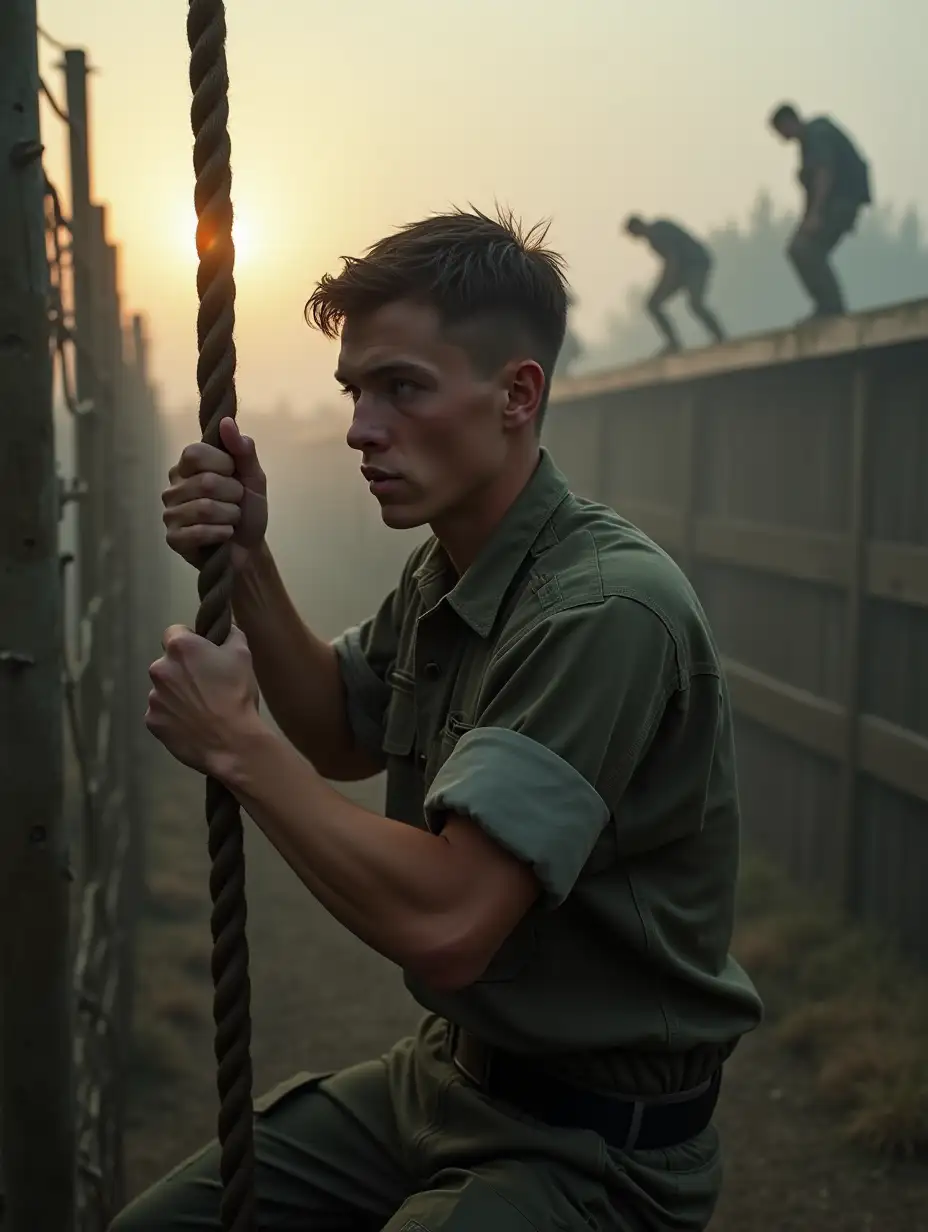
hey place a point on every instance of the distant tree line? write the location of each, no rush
(753, 288)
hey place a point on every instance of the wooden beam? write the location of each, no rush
(898, 571)
(861, 331)
(807, 555)
(895, 756)
(887, 752)
(895, 571)
(812, 721)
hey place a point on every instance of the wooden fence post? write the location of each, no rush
(120, 840)
(857, 536)
(88, 427)
(689, 461)
(35, 987)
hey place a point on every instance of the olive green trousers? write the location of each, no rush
(406, 1144)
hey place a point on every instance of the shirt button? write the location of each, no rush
(432, 671)
(421, 759)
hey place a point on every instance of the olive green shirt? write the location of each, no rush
(565, 693)
(670, 241)
(825, 145)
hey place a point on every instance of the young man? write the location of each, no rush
(836, 182)
(687, 266)
(555, 873)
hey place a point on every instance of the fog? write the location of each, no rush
(336, 556)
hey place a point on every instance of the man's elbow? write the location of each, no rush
(449, 959)
(344, 761)
(355, 766)
(450, 972)
(453, 943)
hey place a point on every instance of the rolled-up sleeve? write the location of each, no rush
(528, 799)
(566, 711)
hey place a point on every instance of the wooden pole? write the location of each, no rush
(89, 426)
(127, 716)
(35, 985)
(848, 854)
(147, 557)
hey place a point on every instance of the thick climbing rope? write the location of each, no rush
(209, 117)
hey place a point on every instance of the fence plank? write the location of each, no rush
(806, 536)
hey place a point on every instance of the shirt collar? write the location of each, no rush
(478, 595)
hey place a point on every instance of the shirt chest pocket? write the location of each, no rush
(399, 736)
(427, 750)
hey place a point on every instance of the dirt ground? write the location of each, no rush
(321, 1000)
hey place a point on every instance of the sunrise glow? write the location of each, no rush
(243, 236)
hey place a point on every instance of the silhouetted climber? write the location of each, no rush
(687, 266)
(836, 180)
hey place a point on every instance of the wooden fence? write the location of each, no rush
(788, 475)
(72, 677)
(113, 606)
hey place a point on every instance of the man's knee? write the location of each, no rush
(188, 1196)
(154, 1211)
(802, 250)
(134, 1218)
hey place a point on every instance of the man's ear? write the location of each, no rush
(525, 390)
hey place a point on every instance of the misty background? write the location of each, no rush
(754, 289)
(348, 120)
(323, 521)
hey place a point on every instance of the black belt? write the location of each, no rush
(625, 1123)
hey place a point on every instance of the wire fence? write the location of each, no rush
(110, 466)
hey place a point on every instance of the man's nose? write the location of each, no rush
(367, 430)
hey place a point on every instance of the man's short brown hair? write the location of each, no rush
(783, 113)
(496, 287)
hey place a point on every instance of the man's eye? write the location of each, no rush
(402, 388)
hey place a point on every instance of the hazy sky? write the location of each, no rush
(350, 118)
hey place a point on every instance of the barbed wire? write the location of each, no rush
(53, 102)
(50, 39)
(59, 46)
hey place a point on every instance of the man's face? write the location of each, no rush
(787, 128)
(432, 431)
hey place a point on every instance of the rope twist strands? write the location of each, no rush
(209, 115)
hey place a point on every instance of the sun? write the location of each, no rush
(243, 236)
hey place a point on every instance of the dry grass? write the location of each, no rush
(843, 998)
(173, 954)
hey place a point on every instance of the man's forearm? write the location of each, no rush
(390, 884)
(297, 672)
(818, 192)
